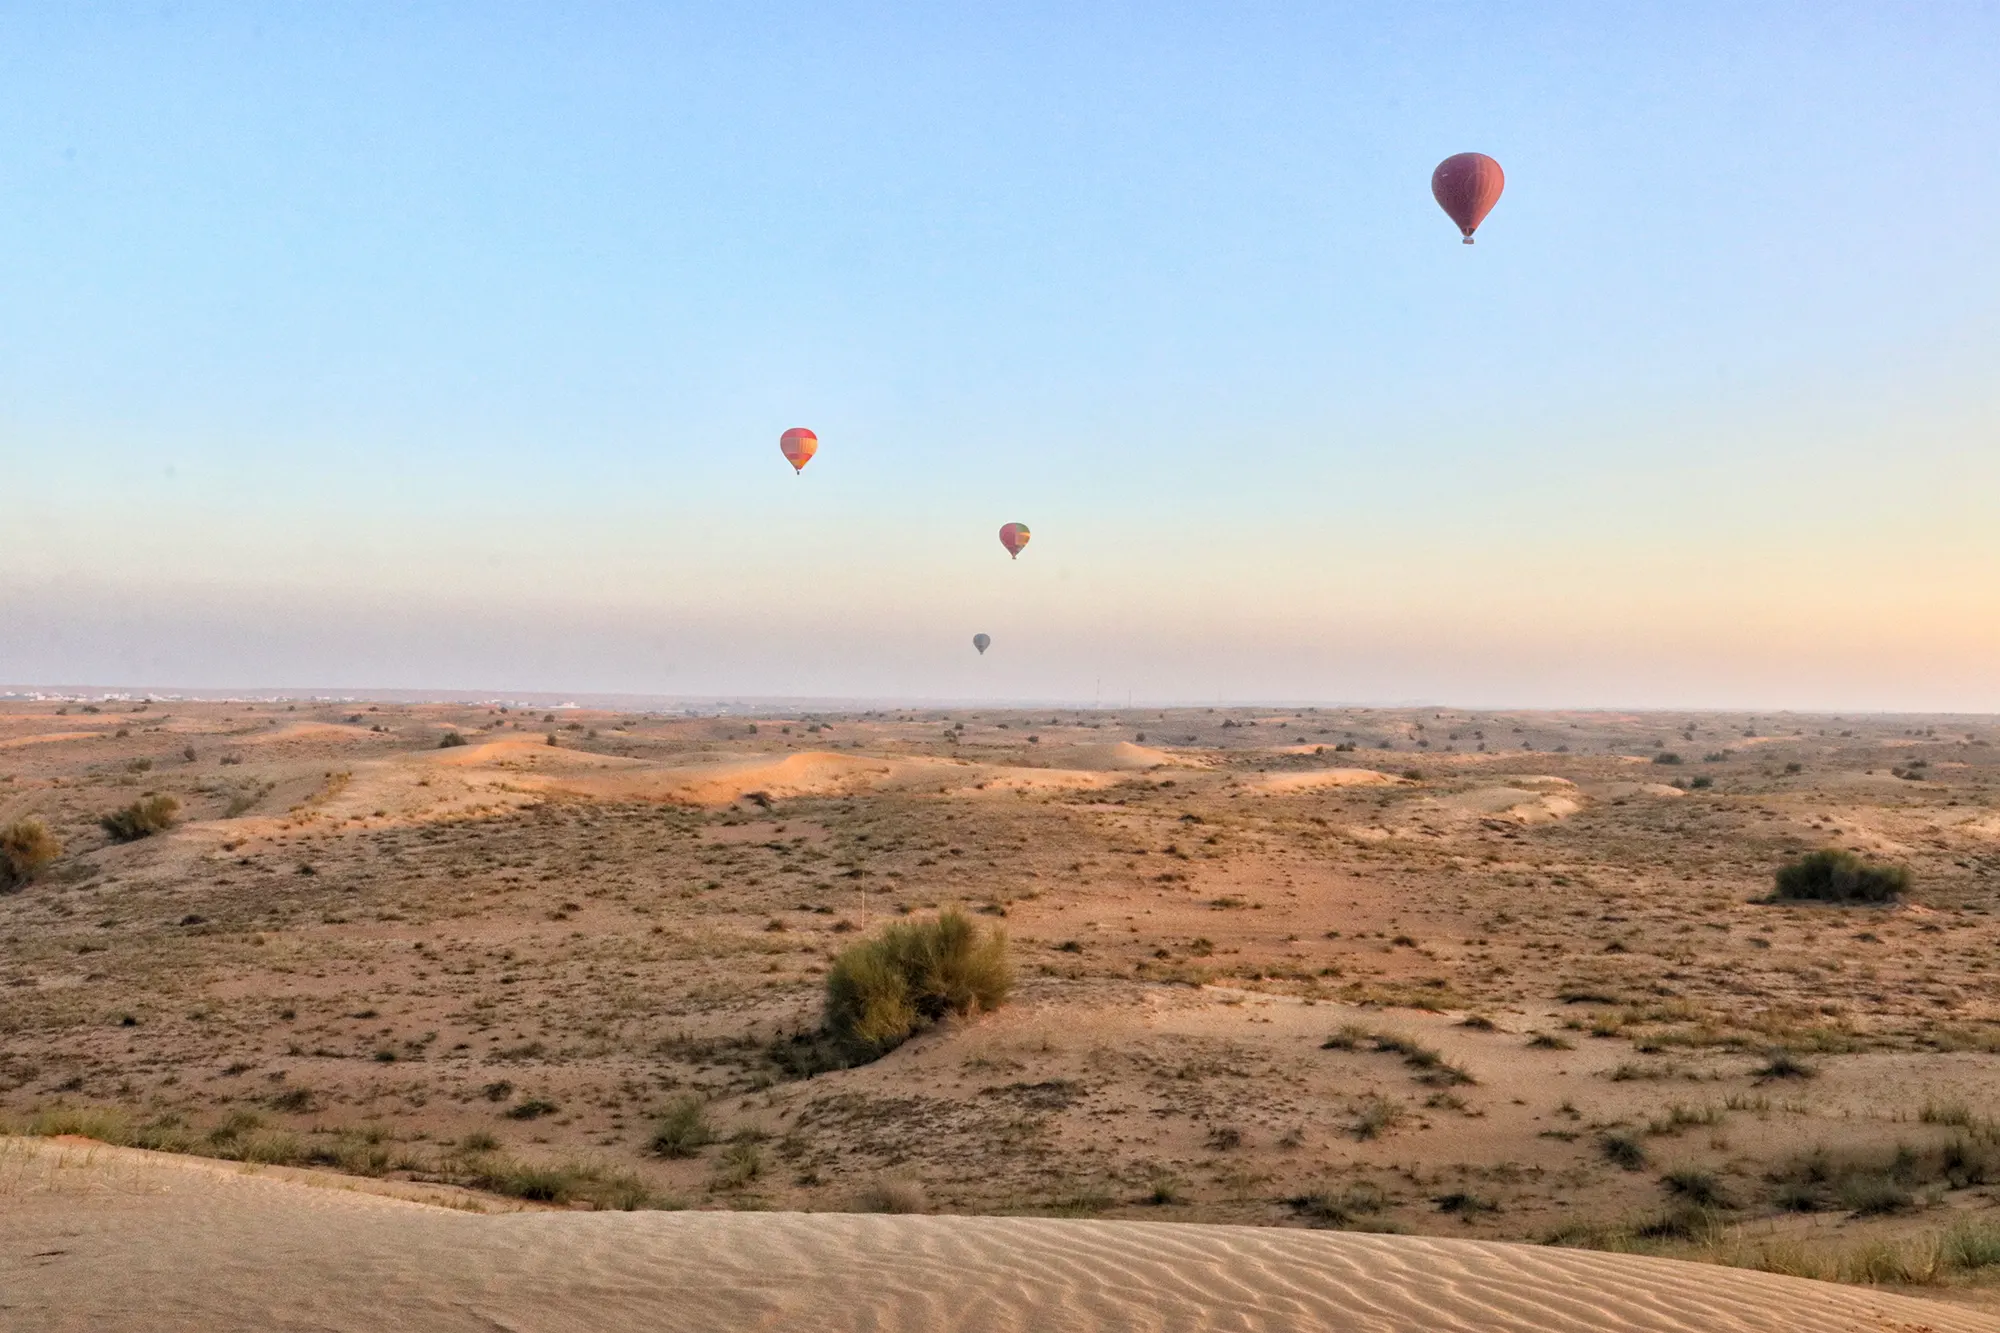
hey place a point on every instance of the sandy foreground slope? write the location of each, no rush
(110, 1239)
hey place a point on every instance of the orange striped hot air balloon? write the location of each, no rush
(1014, 536)
(1466, 186)
(799, 445)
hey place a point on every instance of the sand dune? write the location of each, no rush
(808, 773)
(1515, 803)
(107, 1239)
(47, 738)
(514, 751)
(1279, 783)
(1116, 757)
(1626, 790)
(517, 770)
(306, 731)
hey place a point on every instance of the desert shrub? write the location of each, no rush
(1970, 1245)
(1965, 1247)
(1328, 1208)
(85, 1122)
(1946, 1113)
(27, 848)
(1377, 1116)
(142, 819)
(741, 1163)
(1783, 1064)
(449, 739)
(1666, 757)
(1688, 1221)
(1873, 1196)
(1700, 1188)
(893, 1196)
(234, 1126)
(1464, 1204)
(881, 991)
(1623, 1149)
(1876, 1182)
(566, 1183)
(1838, 876)
(683, 1131)
(1163, 1187)
(295, 1100)
(279, 1149)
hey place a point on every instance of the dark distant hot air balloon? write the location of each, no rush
(1014, 536)
(1466, 186)
(982, 642)
(799, 445)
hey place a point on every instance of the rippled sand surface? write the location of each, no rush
(110, 1239)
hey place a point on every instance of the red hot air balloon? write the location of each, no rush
(1014, 536)
(799, 445)
(1466, 186)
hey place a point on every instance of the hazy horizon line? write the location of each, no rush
(723, 703)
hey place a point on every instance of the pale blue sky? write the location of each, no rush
(448, 346)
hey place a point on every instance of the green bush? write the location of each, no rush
(1836, 876)
(881, 991)
(27, 848)
(449, 739)
(142, 819)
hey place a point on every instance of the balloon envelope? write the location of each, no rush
(982, 642)
(1466, 186)
(1014, 536)
(799, 445)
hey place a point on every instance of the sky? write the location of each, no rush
(438, 346)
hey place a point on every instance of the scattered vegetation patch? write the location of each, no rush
(1431, 1066)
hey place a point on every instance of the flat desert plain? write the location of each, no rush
(1482, 976)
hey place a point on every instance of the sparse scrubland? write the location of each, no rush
(1505, 975)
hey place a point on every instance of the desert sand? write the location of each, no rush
(106, 1239)
(1482, 976)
